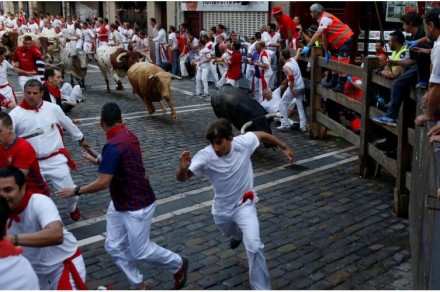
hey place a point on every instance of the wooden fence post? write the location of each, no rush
(316, 129)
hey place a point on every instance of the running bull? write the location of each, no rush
(116, 61)
(244, 113)
(152, 84)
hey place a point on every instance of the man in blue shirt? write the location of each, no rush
(132, 206)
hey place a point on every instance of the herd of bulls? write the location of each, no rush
(150, 82)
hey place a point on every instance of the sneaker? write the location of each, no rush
(181, 276)
(75, 215)
(302, 130)
(234, 243)
(283, 128)
(385, 120)
(421, 85)
(197, 94)
(206, 96)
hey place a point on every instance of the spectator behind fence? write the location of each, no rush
(431, 99)
(416, 75)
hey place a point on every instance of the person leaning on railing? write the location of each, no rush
(431, 99)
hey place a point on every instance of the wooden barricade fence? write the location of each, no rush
(416, 167)
(371, 159)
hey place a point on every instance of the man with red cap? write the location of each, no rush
(287, 27)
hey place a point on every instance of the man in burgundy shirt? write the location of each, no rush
(26, 57)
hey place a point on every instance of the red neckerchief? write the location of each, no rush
(56, 92)
(23, 204)
(24, 104)
(8, 249)
(272, 33)
(113, 131)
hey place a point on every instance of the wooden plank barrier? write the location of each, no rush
(371, 159)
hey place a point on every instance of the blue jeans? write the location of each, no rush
(175, 65)
(400, 90)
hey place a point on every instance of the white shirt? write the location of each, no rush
(265, 60)
(137, 40)
(4, 67)
(128, 34)
(204, 55)
(272, 106)
(172, 37)
(17, 274)
(47, 118)
(231, 175)
(39, 212)
(79, 34)
(33, 27)
(88, 35)
(298, 82)
(435, 61)
(161, 37)
(272, 40)
(48, 31)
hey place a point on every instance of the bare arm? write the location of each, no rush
(433, 100)
(52, 234)
(101, 183)
(271, 139)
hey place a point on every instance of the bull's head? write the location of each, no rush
(79, 60)
(161, 82)
(131, 58)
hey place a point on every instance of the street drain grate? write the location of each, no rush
(296, 167)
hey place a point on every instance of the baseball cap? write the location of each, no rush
(276, 9)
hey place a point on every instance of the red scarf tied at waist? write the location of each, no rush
(70, 268)
(56, 92)
(66, 153)
(23, 204)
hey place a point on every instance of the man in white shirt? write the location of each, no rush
(89, 41)
(227, 164)
(203, 69)
(160, 44)
(17, 273)
(33, 26)
(272, 40)
(36, 224)
(127, 32)
(35, 115)
(174, 47)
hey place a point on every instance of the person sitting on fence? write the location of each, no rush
(382, 94)
(417, 75)
(380, 48)
(400, 52)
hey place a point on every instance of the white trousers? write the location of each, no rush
(56, 170)
(79, 44)
(128, 242)
(213, 76)
(50, 281)
(287, 98)
(250, 72)
(71, 93)
(183, 59)
(23, 79)
(8, 92)
(87, 47)
(243, 224)
(202, 78)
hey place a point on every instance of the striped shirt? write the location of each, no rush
(130, 190)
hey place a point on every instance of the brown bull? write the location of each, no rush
(152, 84)
(10, 40)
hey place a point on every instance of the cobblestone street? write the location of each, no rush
(322, 225)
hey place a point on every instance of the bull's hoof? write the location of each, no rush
(120, 88)
(151, 112)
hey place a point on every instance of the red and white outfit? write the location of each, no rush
(15, 270)
(103, 36)
(48, 262)
(250, 70)
(265, 75)
(27, 61)
(5, 88)
(54, 159)
(203, 69)
(297, 92)
(89, 41)
(272, 38)
(161, 51)
(234, 71)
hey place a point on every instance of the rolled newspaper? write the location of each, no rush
(32, 134)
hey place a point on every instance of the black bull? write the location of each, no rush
(233, 104)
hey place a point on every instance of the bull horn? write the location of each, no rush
(146, 56)
(175, 76)
(152, 76)
(118, 59)
(245, 126)
(268, 116)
